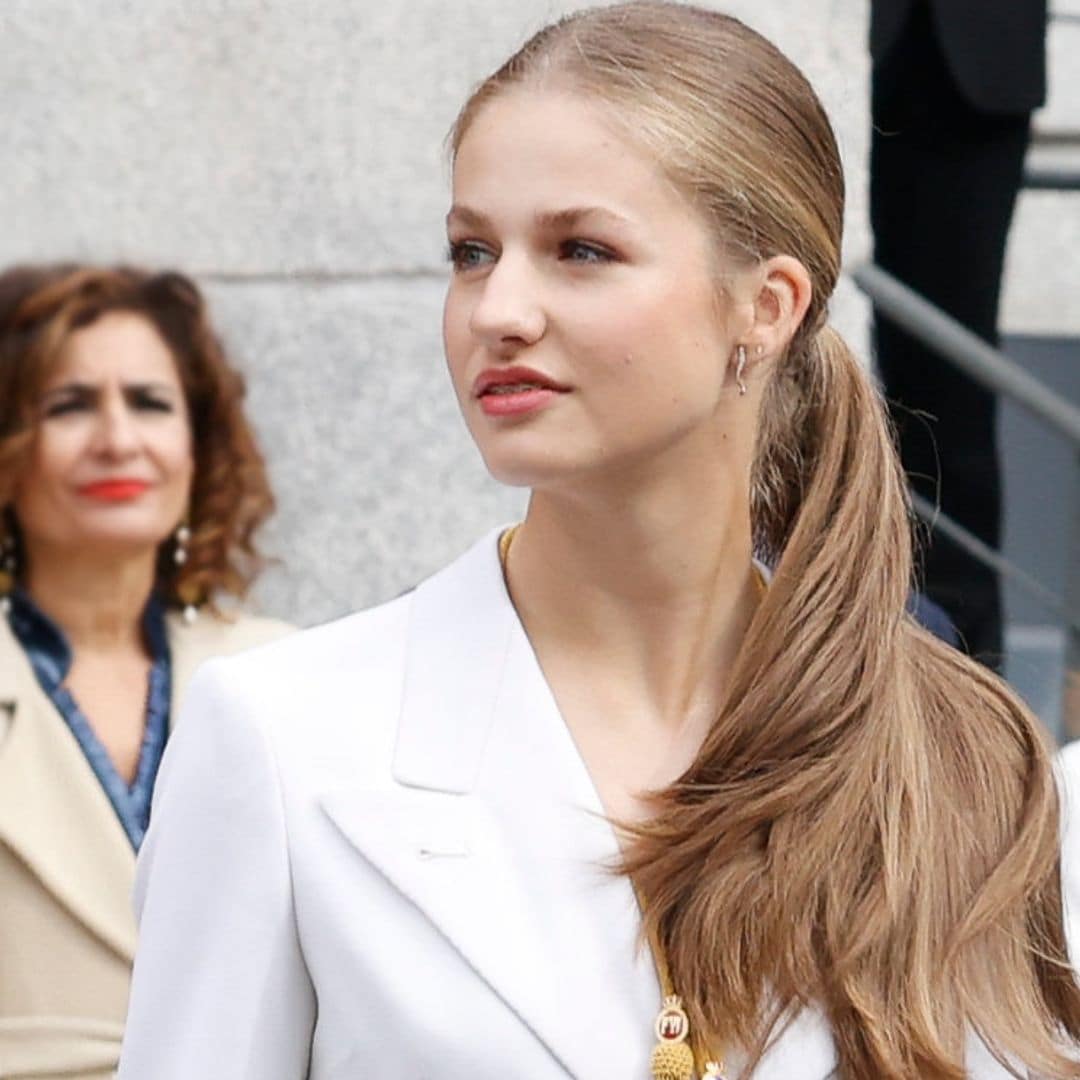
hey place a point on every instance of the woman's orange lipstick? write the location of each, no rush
(119, 489)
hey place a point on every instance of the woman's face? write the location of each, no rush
(584, 325)
(111, 465)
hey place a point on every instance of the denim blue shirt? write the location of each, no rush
(50, 657)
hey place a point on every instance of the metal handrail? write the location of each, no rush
(996, 372)
(1050, 178)
(936, 518)
(966, 350)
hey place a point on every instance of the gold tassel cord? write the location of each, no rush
(672, 1057)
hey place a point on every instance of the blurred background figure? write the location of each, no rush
(954, 83)
(131, 487)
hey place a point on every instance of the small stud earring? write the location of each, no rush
(740, 367)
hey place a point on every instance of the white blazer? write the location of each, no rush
(376, 852)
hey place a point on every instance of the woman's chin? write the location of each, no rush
(121, 546)
(525, 470)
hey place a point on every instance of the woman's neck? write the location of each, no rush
(659, 591)
(97, 601)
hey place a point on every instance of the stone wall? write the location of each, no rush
(290, 156)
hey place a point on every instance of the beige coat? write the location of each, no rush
(67, 933)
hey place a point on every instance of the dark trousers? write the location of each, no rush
(943, 184)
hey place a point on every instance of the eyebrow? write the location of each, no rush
(85, 389)
(549, 220)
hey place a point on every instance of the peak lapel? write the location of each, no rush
(528, 902)
(446, 854)
(53, 813)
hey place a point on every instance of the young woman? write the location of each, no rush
(130, 489)
(430, 840)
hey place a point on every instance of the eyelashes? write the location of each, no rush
(149, 402)
(586, 251)
(62, 408)
(467, 255)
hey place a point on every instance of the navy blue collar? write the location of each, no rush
(50, 656)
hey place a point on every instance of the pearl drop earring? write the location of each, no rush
(180, 557)
(7, 572)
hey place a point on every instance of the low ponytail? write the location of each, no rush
(871, 824)
(827, 487)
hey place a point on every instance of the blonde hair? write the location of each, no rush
(871, 825)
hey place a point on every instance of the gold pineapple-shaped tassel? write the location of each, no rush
(672, 1058)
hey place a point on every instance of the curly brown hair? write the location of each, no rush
(41, 307)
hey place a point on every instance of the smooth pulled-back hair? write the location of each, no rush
(42, 306)
(871, 826)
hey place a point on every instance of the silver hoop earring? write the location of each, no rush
(740, 367)
(182, 538)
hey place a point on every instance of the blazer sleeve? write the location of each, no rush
(220, 987)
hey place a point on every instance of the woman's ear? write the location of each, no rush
(784, 292)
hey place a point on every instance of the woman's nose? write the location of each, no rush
(117, 430)
(509, 309)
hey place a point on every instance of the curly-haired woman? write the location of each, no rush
(130, 490)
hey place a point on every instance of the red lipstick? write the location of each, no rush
(118, 489)
(513, 391)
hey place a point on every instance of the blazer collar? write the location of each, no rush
(461, 628)
(54, 814)
(494, 793)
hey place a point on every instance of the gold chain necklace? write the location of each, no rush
(673, 1057)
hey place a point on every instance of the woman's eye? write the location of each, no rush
(61, 408)
(468, 255)
(152, 404)
(582, 251)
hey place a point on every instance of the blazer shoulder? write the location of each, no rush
(363, 636)
(317, 674)
(223, 634)
(210, 636)
(323, 702)
(350, 679)
(462, 592)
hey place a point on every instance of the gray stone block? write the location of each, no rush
(273, 136)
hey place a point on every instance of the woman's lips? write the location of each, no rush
(122, 489)
(515, 390)
(516, 401)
